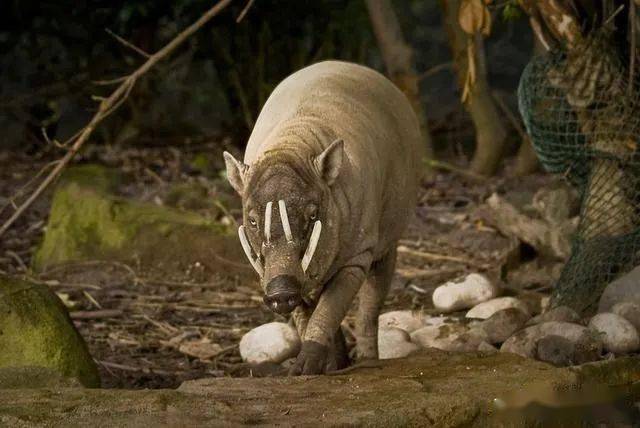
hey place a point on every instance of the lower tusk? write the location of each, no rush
(313, 244)
(285, 220)
(267, 222)
(247, 250)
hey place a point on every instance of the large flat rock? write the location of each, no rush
(432, 388)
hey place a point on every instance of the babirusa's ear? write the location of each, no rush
(329, 162)
(236, 171)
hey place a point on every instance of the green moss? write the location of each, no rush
(93, 176)
(86, 223)
(35, 330)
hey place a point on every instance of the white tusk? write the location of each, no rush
(247, 250)
(267, 222)
(313, 244)
(285, 220)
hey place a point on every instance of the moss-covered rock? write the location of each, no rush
(34, 377)
(35, 330)
(88, 222)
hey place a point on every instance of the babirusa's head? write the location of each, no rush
(290, 223)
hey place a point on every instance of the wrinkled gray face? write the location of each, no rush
(282, 219)
(282, 228)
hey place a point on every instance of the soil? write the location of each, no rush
(156, 331)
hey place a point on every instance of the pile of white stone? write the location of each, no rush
(473, 317)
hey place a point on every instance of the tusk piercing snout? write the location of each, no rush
(313, 244)
(255, 262)
(284, 218)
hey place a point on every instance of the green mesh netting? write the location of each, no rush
(583, 118)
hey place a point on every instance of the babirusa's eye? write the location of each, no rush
(253, 222)
(312, 212)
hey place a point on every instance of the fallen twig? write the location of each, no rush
(436, 164)
(18, 260)
(433, 256)
(90, 315)
(110, 104)
(128, 368)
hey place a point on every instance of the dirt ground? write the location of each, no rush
(156, 332)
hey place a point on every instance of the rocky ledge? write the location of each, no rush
(431, 388)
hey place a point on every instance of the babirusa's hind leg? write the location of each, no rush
(371, 298)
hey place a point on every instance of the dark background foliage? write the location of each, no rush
(53, 52)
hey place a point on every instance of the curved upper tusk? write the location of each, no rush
(285, 220)
(267, 222)
(247, 250)
(313, 244)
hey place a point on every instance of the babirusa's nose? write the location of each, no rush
(282, 294)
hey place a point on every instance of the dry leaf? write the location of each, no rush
(474, 17)
(470, 79)
(202, 349)
(66, 299)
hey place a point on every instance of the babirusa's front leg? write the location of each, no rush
(332, 307)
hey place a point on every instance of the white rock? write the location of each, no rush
(624, 289)
(464, 294)
(484, 310)
(629, 311)
(438, 321)
(394, 343)
(524, 342)
(440, 337)
(273, 342)
(618, 335)
(468, 341)
(405, 320)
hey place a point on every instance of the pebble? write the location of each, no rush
(618, 335)
(485, 309)
(503, 324)
(464, 294)
(405, 320)
(394, 343)
(273, 342)
(560, 314)
(587, 345)
(624, 289)
(629, 311)
(556, 350)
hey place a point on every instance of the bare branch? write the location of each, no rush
(244, 11)
(108, 105)
(128, 44)
(110, 81)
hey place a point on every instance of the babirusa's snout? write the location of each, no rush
(282, 294)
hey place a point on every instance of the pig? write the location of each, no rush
(328, 184)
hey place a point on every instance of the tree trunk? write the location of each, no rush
(398, 59)
(526, 160)
(491, 134)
